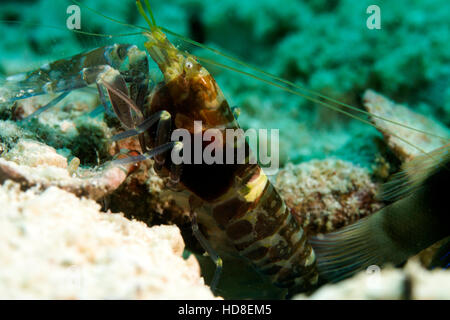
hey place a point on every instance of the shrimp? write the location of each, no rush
(237, 206)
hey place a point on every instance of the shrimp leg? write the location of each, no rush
(112, 84)
(147, 155)
(209, 249)
(139, 129)
(52, 103)
(162, 138)
(162, 135)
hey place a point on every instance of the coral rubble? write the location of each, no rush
(325, 195)
(57, 246)
(411, 282)
(380, 106)
(35, 164)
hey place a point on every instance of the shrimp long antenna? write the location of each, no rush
(150, 11)
(274, 77)
(304, 96)
(107, 17)
(292, 84)
(151, 24)
(430, 156)
(75, 30)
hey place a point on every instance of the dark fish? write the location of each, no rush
(419, 217)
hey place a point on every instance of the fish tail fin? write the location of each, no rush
(397, 231)
(343, 253)
(415, 173)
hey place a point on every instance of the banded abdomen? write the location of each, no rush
(238, 209)
(262, 229)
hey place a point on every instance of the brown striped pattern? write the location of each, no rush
(265, 232)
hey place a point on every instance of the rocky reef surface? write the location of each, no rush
(325, 195)
(57, 246)
(50, 209)
(411, 282)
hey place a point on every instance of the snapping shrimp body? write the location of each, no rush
(238, 208)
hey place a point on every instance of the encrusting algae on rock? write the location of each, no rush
(325, 195)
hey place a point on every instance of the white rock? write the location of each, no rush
(411, 282)
(35, 154)
(54, 245)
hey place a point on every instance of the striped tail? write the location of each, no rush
(263, 230)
